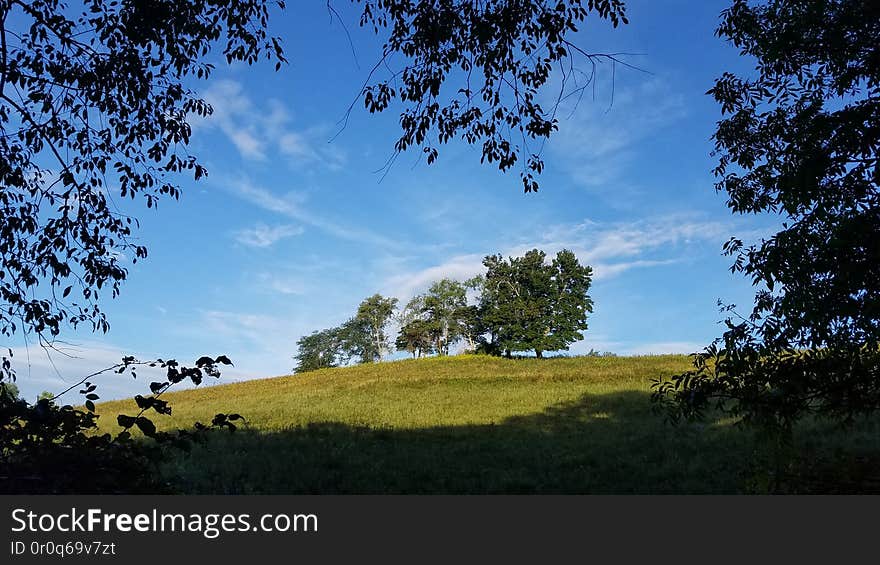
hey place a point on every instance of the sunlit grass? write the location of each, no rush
(463, 424)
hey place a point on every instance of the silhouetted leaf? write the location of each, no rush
(125, 421)
(146, 426)
(203, 361)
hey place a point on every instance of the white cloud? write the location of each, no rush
(40, 369)
(259, 128)
(249, 146)
(260, 345)
(246, 325)
(262, 235)
(289, 205)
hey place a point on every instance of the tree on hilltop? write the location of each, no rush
(318, 350)
(440, 316)
(361, 338)
(416, 338)
(375, 312)
(528, 304)
(445, 304)
(415, 334)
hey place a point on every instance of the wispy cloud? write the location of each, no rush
(604, 271)
(249, 326)
(405, 285)
(282, 284)
(64, 364)
(291, 206)
(601, 242)
(252, 341)
(610, 248)
(596, 142)
(258, 130)
(657, 348)
(259, 344)
(262, 235)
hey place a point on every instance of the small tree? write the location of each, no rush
(472, 324)
(414, 310)
(416, 337)
(437, 319)
(320, 350)
(375, 312)
(445, 305)
(360, 338)
(356, 342)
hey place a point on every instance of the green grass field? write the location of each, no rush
(474, 424)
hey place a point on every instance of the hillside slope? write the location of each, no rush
(467, 424)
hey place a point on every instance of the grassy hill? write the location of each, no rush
(470, 424)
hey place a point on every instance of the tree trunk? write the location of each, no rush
(379, 347)
(539, 354)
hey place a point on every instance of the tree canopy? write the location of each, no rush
(375, 312)
(95, 101)
(799, 140)
(362, 338)
(9, 392)
(318, 350)
(444, 306)
(417, 337)
(521, 304)
(528, 304)
(473, 71)
(92, 103)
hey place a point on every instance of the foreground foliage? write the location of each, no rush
(474, 71)
(47, 447)
(800, 140)
(93, 103)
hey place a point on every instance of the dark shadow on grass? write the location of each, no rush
(610, 443)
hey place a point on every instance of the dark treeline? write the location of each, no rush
(519, 304)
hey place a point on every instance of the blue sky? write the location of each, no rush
(291, 230)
